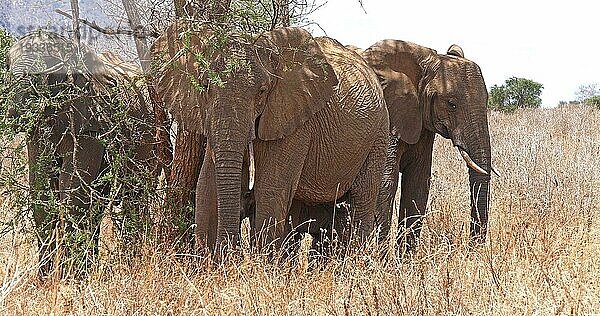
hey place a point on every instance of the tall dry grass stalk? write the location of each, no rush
(542, 255)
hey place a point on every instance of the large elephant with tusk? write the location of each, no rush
(426, 94)
(312, 110)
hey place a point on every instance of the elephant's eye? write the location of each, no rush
(452, 105)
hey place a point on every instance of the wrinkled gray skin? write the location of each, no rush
(426, 94)
(449, 77)
(305, 104)
(46, 58)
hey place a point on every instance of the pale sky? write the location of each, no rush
(556, 43)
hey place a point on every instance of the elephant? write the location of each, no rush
(427, 93)
(312, 111)
(66, 154)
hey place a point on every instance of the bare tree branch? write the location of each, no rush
(140, 42)
(281, 13)
(75, 19)
(141, 33)
(163, 144)
(362, 6)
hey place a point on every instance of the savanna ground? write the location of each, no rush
(542, 256)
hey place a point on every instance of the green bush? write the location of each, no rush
(515, 93)
(123, 190)
(593, 101)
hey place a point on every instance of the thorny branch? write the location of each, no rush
(139, 33)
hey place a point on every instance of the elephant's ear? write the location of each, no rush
(406, 120)
(402, 68)
(455, 50)
(303, 79)
(175, 74)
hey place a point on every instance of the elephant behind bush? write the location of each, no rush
(90, 140)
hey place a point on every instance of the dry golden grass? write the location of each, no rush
(542, 255)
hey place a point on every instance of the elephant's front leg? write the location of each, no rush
(279, 166)
(415, 166)
(80, 168)
(206, 204)
(43, 183)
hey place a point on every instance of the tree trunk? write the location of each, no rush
(281, 18)
(179, 204)
(75, 20)
(162, 123)
(161, 120)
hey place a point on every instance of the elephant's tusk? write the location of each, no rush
(496, 172)
(471, 163)
(251, 165)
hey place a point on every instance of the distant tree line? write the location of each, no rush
(593, 101)
(587, 94)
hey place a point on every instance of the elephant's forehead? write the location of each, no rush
(459, 66)
(455, 73)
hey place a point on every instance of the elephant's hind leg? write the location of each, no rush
(363, 195)
(388, 188)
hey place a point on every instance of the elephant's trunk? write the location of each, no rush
(478, 149)
(479, 187)
(228, 172)
(229, 138)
